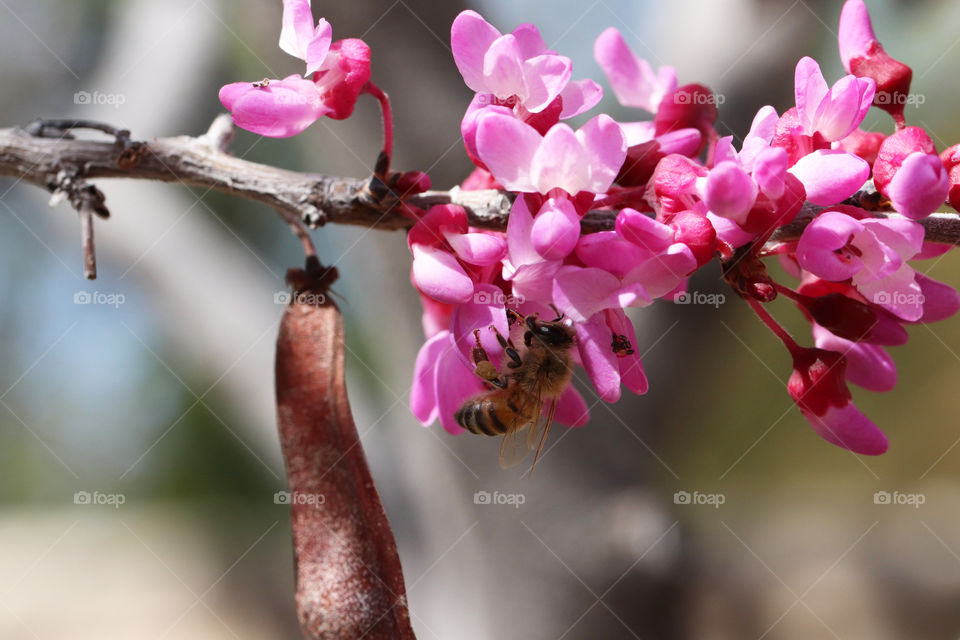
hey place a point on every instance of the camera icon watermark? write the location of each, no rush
(697, 498)
(698, 97)
(910, 499)
(97, 498)
(899, 298)
(498, 298)
(890, 98)
(98, 298)
(298, 497)
(698, 297)
(98, 98)
(512, 499)
(304, 297)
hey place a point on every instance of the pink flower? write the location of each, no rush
(300, 38)
(444, 249)
(909, 172)
(863, 56)
(832, 112)
(274, 108)
(871, 253)
(951, 162)
(819, 388)
(631, 266)
(283, 108)
(517, 66)
(633, 80)
(523, 160)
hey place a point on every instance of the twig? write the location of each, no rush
(89, 250)
(314, 199)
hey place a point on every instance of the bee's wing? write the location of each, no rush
(533, 440)
(516, 442)
(513, 448)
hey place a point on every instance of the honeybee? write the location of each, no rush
(514, 404)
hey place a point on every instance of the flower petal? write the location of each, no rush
(847, 427)
(920, 186)
(545, 76)
(579, 96)
(277, 109)
(437, 274)
(631, 77)
(582, 292)
(730, 192)
(470, 37)
(560, 162)
(572, 409)
(816, 249)
(606, 149)
(481, 249)
(556, 229)
(423, 392)
(868, 365)
(830, 175)
(508, 147)
(593, 344)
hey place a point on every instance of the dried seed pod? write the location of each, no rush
(349, 580)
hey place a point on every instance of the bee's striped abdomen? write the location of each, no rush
(485, 416)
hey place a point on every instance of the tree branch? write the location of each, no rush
(31, 155)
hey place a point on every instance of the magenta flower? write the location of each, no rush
(910, 173)
(819, 388)
(300, 38)
(523, 160)
(283, 108)
(444, 249)
(274, 108)
(832, 112)
(631, 266)
(871, 253)
(863, 56)
(517, 66)
(633, 80)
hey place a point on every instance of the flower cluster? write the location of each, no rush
(678, 195)
(338, 72)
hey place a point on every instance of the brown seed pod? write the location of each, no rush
(349, 580)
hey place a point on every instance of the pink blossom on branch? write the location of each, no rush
(282, 108)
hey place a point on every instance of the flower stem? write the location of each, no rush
(774, 326)
(384, 101)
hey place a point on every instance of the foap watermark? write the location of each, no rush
(899, 298)
(97, 498)
(513, 499)
(298, 497)
(98, 98)
(698, 97)
(98, 297)
(911, 499)
(498, 298)
(712, 499)
(303, 297)
(699, 297)
(888, 97)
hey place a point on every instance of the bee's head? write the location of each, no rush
(557, 334)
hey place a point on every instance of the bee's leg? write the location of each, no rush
(556, 311)
(508, 349)
(484, 369)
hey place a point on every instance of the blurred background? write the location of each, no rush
(156, 397)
